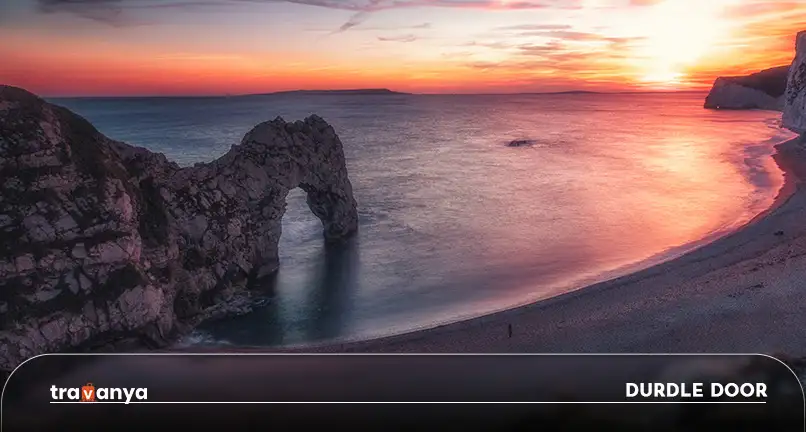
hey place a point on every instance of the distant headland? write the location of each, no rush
(361, 92)
(761, 90)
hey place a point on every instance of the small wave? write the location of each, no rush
(774, 122)
(200, 338)
(300, 228)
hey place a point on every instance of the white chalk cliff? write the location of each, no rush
(763, 90)
(794, 117)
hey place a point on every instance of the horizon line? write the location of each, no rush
(347, 91)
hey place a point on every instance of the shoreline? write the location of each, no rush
(738, 293)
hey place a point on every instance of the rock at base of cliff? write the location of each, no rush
(521, 143)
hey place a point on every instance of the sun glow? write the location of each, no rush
(666, 79)
(678, 34)
(462, 46)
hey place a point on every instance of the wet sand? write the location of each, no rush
(745, 292)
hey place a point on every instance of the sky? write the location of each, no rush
(219, 47)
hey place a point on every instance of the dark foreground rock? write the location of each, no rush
(762, 90)
(101, 241)
(795, 99)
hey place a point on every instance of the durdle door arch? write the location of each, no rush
(104, 241)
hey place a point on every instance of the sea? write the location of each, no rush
(454, 223)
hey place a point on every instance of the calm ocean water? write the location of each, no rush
(453, 223)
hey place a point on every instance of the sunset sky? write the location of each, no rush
(143, 47)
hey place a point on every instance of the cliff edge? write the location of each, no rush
(101, 241)
(794, 117)
(761, 90)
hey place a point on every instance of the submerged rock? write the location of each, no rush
(795, 99)
(521, 143)
(101, 241)
(762, 90)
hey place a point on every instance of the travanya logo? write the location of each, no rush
(89, 393)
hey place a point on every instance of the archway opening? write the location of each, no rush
(302, 229)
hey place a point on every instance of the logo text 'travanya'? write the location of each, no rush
(89, 393)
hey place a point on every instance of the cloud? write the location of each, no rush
(534, 27)
(402, 38)
(580, 57)
(360, 16)
(764, 9)
(499, 45)
(112, 11)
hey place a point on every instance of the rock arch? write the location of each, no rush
(242, 195)
(103, 240)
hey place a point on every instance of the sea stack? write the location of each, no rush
(103, 242)
(795, 99)
(762, 90)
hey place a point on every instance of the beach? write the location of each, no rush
(741, 293)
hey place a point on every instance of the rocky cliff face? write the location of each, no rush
(795, 98)
(101, 241)
(762, 90)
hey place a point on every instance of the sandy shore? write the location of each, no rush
(742, 293)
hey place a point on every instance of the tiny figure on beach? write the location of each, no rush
(509, 329)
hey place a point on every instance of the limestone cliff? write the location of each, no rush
(795, 99)
(101, 241)
(761, 90)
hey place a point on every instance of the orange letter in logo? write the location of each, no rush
(88, 393)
